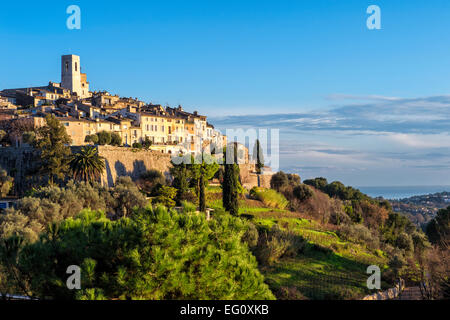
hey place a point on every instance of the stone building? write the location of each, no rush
(171, 130)
(72, 78)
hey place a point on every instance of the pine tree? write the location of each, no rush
(53, 142)
(155, 254)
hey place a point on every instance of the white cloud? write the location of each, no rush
(420, 140)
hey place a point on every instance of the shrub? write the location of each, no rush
(3, 134)
(289, 293)
(438, 229)
(278, 180)
(321, 207)
(251, 235)
(137, 145)
(91, 138)
(302, 192)
(281, 180)
(276, 244)
(166, 195)
(320, 248)
(360, 234)
(405, 242)
(147, 143)
(127, 197)
(116, 139)
(6, 183)
(188, 207)
(318, 183)
(29, 137)
(150, 181)
(269, 197)
(373, 214)
(104, 137)
(397, 264)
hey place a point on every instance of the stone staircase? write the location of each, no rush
(411, 293)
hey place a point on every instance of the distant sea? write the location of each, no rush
(402, 192)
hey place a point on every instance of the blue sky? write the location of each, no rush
(367, 107)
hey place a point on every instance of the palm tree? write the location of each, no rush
(87, 165)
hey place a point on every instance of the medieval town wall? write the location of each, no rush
(21, 163)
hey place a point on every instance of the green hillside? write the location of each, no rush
(327, 268)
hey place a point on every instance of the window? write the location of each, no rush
(76, 66)
(67, 65)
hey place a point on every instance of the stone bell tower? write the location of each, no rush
(71, 76)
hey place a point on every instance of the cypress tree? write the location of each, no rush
(258, 154)
(181, 175)
(201, 197)
(230, 185)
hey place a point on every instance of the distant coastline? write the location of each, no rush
(401, 192)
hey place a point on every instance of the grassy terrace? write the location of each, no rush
(328, 268)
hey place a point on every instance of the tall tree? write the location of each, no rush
(53, 142)
(230, 184)
(258, 156)
(438, 229)
(181, 175)
(203, 169)
(87, 165)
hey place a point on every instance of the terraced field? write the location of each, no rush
(328, 268)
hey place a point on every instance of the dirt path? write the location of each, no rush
(411, 293)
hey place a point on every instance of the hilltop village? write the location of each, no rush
(146, 227)
(85, 113)
(117, 126)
